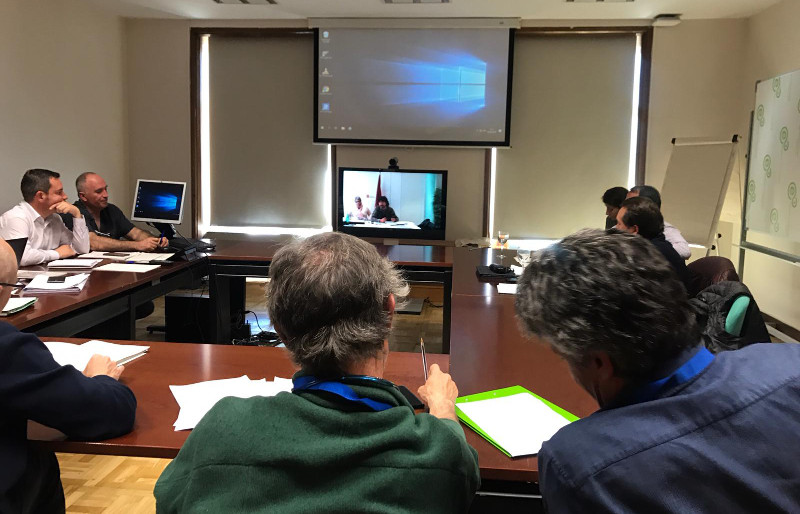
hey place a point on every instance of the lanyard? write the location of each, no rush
(339, 388)
(686, 372)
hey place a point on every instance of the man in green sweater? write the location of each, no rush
(345, 439)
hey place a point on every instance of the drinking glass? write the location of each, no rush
(502, 240)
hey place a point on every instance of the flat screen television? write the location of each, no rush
(394, 204)
(413, 86)
(158, 201)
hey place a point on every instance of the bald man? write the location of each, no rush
(91, 405)
(109, 229)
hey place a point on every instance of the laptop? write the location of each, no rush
(18, 245)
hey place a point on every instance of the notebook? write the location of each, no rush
(17, 304)
(516, 421)
(74, 263)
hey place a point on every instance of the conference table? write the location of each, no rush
(487, 350)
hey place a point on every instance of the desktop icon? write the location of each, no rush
(326, 89)
(325, 34)
(325, 53)
(325, 72)
(326, 106)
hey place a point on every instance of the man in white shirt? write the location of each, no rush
(361, 212)
(671, 233)
(37, 219)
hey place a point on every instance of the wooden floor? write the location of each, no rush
(108, 484)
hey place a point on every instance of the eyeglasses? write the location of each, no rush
(7, 284)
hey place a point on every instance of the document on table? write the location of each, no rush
(78, 355)
(128, 256)
(195, 400)
(71, 284)
(17, 304)
(129, 268)
(513, 419)
(73, 263)
(507, 288)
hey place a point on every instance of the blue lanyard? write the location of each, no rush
(686, 372)
(340, 389)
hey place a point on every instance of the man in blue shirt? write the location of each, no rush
(678, 430)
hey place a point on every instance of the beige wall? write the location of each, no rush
(773, 48)
(62, 102)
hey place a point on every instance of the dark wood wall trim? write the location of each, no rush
(487, 190)
(644, 104)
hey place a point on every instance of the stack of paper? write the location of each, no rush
(513, 419)
(507, 288)
(17, 304)
(78, 355)
(195, 400)
(71, 284)
(74, 263)
(128, 268)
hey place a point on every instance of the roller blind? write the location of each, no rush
(264, 169)
(570, 133)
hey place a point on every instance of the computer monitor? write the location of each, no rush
(158, 201)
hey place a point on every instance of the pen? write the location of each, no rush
(160, 238)
(424, 360)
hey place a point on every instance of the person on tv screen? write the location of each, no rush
(361, 212)
(383, 212)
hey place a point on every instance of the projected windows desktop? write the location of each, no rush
(444, 85)
(160, 202)
(416, 198)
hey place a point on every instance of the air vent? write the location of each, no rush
(246, 2)
(416, 1)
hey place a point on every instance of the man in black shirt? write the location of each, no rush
(640, 215)
(383, 212)
(109, 229)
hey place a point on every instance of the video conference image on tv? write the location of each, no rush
(392, 200)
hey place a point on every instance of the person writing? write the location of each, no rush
(383, 212)
(36, 218)
(91, 405)
(345, 439)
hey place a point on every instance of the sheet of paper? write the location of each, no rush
(195, 400)
(129, 268)
(520, 423)
(147, 257)
(106, 255)
(517, 269)
(507, 288)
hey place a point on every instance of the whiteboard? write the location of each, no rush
(695, 185)
(771, 205)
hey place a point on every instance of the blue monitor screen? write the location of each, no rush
(157, 201)
(426, 86)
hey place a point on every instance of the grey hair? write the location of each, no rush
(327, 298)
(80, 182)
(608, 292)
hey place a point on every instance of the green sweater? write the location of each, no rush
(311, 452)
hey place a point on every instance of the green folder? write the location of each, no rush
(499, 393)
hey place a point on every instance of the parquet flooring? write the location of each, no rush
(106, 484)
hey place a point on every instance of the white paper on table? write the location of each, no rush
(105, 255)
(519, 423)
(74, 263)
(517, 269)
(78, 355)
(503, 288)
(195, 400)
(147, 257)
(18, 303)
(72, 282)
(130, 268)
